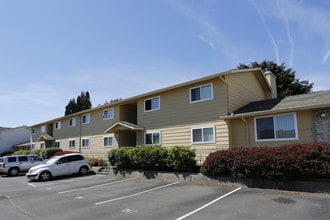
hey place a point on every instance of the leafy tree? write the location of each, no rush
(287, 83)
(83, 102)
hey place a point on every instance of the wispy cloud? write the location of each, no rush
(271, 37)
(310, 20)
(208, 41)
(290, 38)
(326, 56)
(210, 34)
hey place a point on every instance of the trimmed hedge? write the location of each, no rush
(22, 152)
(177, 158)
(310, 160)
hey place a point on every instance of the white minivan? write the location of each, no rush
(67, 164)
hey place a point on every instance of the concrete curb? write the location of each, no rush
(198, 178)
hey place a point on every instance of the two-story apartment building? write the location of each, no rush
(201, 113)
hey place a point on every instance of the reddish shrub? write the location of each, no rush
(310, 160)
(60, 153)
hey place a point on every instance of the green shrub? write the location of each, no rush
(150, 157)
(22, 152)
(36, 152)
(48, 152)
(310, 160)
(181, 158)
(121, 157)
(153, 158)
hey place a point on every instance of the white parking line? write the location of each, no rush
(91, 187)
(206, 205)
(58, 182)
(42, 184)
(30, 184)
(136, 194)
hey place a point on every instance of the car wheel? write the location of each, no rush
(44, 176)
(83, 170)
(13, 171)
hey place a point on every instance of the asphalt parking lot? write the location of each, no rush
(107, 197)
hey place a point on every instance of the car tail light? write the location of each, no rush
(3, 165)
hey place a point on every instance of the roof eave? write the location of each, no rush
(274, 111)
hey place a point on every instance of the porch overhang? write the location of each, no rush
(45, 137)
(123, 126)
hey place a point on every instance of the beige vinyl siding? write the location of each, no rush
(243, 88)
(176, 109)
(96, 148)
(96, 126)
(181, 136)
(67, 131)
(65, 144)
(36, 133)
(305, 126)
(239, 131)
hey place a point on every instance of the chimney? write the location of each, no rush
(271, 79)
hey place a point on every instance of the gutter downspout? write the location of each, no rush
(30, 129)
(80, 122)
(247, 131)
(227, 93)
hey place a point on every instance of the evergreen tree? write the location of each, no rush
(287, 83)
(83, 102)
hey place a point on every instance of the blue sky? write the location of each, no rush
(52, 50)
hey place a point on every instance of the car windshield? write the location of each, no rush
(52, 160)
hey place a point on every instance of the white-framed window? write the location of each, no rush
(108, 113)
(43, 129)
(72, 122)
(86, 119)
(152, 104)
(58, 125)
(42, 145)
(72, 144)
(57, 144)
(201, 93)
(33, 146)
(152, 138)
(33, 130)
(203, 135)
(276, 127)
(85, 143)
(108, 141)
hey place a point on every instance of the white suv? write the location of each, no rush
(67, 164)
(13, 165)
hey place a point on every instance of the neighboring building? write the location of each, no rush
(11, 137)
(196, 113)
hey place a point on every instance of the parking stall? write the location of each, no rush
(108, 197)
